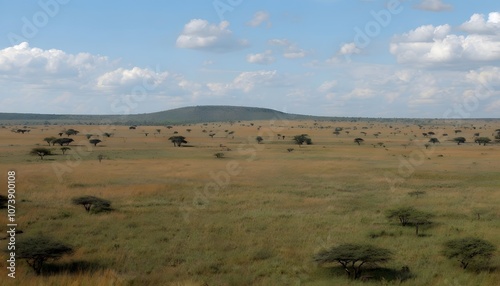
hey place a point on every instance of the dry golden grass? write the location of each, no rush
(257, 216)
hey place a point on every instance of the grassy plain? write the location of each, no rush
(258, 215)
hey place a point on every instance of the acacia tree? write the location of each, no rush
(64, 149)
(37, 250)
(482, 140)
(433, 140)
(353, 256)
(359, 140)
(178, 140)
(259, 139)
(92, 203)
(71, 132)
(62, 141)
(459, 140)
(95, 141)
(469, 250)
(40, 152)
(49, 140)
(301, 139)
(409, 216)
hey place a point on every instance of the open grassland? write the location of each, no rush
(258, 215)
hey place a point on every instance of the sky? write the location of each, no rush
(355, 58)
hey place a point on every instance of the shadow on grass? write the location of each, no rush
(377, 274)
(72, 267)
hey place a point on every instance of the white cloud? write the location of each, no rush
(22, 60)
(433, 5)
(259, 18)
(431, 46)
(349, 49)
(291, 50)
(246, 82)
(127, 78)
(199, 34)
(360, 93)
(327, 86)
(479, 25)
(264, 58)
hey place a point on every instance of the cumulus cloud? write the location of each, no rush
(199, 34)
(349, 49)
(259, 18)
(437, 45)
(479, 25)
(291, 50)
(327, 86)
(127, 78)
(264, 58)
(433, 5)
(23, 60)
(245, 82)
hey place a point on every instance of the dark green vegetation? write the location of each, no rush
(93, 204)
(469, 250)
(353, 256)
(39, 249)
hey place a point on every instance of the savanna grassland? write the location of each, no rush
(258, 215)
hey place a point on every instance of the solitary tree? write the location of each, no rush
(259, 139)
(49, 140)
(92, 203)
(71, 132)
(353, 256)
(433, 140)
(301, 139)
(482, 140)
(37, 250)
(64, 149)
(62, 141)
(359, 140)
(40, 152)
(409, 216)
(178, 140)
(469, 250)
(95, 141)
(459, 140)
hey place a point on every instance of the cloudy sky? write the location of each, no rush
(368, 58)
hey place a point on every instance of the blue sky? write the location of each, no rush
(362, 58)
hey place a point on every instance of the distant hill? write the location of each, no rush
(193, 114)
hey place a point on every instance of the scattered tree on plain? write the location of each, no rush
(301, 139)
(259, 139)
(42, 152)
(469, 250)
(71, 131)
(62, 141)
(433, 140)
(359, 140)
(49, 140)
(91, 203)
(178, 140)
(64, 149)
(95, 141)
(353, 256)
(459, 140)
(482, 140)
(37, 250)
